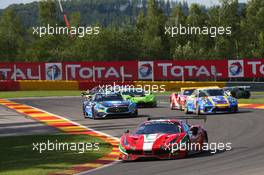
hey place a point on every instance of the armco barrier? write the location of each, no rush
(84, 85)
(176, 85)
(9, 86)
(48, 85)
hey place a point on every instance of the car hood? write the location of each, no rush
(218, 99)
(114, 103)
(148, 142)
(139, 98)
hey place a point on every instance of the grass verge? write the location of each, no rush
(20, 94)
(19, 158)
(251, 101)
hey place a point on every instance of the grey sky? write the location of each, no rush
(5, 3)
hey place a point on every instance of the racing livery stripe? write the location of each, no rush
(212, 101)
(122, 149)
(149, 140)
(227, 101)
(69, 127)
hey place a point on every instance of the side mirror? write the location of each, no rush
(127, 131)
(83, 94)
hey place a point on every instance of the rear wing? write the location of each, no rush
(241, 87)
(187, 88)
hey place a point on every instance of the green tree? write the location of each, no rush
(253, 28)
(177, 18)
(154, 43)
(47, 12)
(228, 17)
(11, 36)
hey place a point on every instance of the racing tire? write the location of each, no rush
(205, 137)
(188, 143)
(247, 95)
(84, 113)
(197, 110)
(186, 111)
(171, 107)
(235, 110)
(135, 114)
(205, 141)
(180, 108)
(93, 114)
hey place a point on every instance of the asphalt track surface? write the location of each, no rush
(245, 130)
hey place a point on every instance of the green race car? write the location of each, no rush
(140, 97)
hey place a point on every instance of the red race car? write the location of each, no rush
(162, 139)
(177, 100)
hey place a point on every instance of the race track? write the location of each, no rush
(245, 130)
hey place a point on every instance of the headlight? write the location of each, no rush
(232, 100)
(125, 142)
(150, 97)
(100, 107)
(205, 101)
(132, 105)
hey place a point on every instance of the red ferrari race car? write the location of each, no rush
(162, 139)
(177, 100)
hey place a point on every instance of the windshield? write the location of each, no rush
(188, 92)
(211, 92)
(158, 127)
(108, 97)
(134, 93)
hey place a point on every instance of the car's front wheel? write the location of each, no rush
(171, 106)
(186, 110)
(93, 113)
(235, 109)
(84, 113)
(197, 110)
(135, 114)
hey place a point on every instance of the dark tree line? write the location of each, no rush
(131, 29)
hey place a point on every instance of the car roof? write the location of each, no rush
(163, 120)
(133, 90)
(188, 88)
(207, 88)
(107, 93)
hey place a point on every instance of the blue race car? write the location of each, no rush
(210, 100)
(102, 105)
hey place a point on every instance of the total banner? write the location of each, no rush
(134, 70)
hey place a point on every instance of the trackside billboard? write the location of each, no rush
(134, 70)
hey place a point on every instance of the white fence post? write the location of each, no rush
(39, 72)
(15, 72)
(93, 74)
